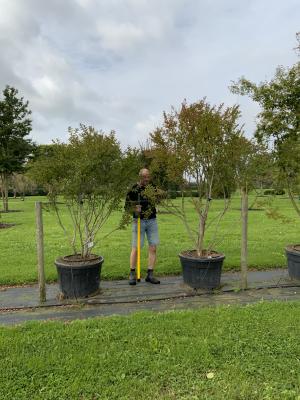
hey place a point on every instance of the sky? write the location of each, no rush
(118, 64)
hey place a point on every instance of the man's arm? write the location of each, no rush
(131, 203)
(128, 203)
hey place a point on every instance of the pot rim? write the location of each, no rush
(62, 262)
(220, 256)
(290, 248)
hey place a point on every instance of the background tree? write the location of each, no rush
(43, 150)
(278, 122)
(21, 185)
(15, 126)
(158, 170)
(298, 40)
(46, 178)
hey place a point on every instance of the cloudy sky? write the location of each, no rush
(117, 64)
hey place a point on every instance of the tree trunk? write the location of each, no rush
(5, 192)
(244, 242)
(86, 244)
(202, 225)
(2, 188)
(40, 250)
(291, 196)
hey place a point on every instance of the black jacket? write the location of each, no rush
(136, 196)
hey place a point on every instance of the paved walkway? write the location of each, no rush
(21, 304)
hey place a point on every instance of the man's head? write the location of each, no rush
(144, 175)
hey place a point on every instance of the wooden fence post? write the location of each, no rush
(40, 250)
(244, 244)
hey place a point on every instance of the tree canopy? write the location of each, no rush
(278, 122)
(15, 126)
(195, 143)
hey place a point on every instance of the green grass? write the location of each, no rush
(267, 239)
(253, 353)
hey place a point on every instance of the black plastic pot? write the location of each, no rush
(202, 273)
(293, 261)
(79, 278)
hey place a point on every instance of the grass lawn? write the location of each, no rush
(267, 239)
(230, 352)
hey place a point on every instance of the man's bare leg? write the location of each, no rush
(151, 264)
(133, 257)
(151, 257)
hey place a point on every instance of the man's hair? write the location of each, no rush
(142, 172)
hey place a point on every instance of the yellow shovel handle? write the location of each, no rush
(139, 249)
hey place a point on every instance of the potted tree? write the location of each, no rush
(89, 174)
(195, 145)
(279, 126)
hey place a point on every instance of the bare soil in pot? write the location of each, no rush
(293, 247)
(75, 259)
(206, 254)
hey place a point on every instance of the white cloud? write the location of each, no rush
(45, 87)
(143, 127)
(118, 37)
(117, 64)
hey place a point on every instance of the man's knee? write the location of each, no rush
(152, 249)
(133, 250)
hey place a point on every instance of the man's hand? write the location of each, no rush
(138, 208)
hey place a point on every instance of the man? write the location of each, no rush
(139, 203)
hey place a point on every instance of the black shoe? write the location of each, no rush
(132, 277)
(150, 278)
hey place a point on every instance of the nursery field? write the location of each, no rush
(267, 239)
(231, 352)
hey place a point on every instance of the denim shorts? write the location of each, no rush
(148, 227)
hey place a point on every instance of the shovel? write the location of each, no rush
(139, 246)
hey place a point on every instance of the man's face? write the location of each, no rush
(145, 178)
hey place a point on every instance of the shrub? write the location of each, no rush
(280, 192)
(269, 192)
